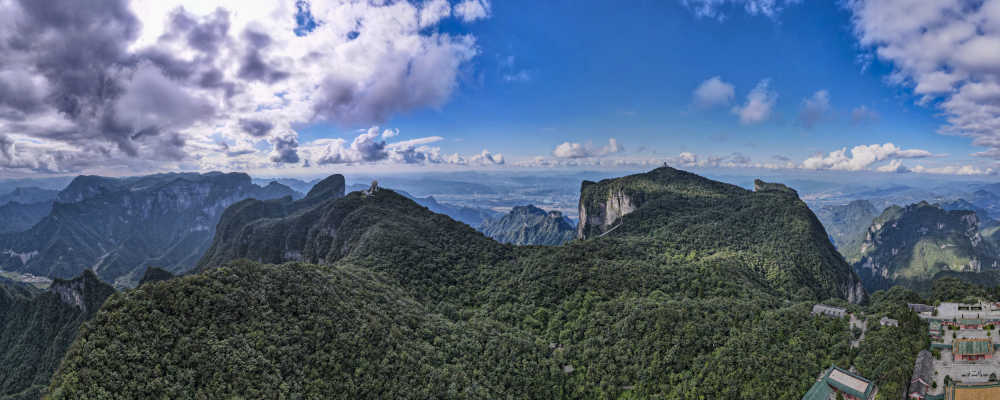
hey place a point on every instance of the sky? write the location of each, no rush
(286, 88)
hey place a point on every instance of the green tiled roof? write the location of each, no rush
(824, 388)
(819, 391)
(967, 347)
(970, 322)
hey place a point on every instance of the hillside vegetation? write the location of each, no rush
(371, 295)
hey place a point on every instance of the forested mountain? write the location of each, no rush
(527, 225)
(29, 195)
(18, 217)
(119, 226)
(407, 303)
(847, 224)
(913, 244)
(36, 328)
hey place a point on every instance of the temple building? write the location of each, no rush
(923, 376)
(935, 330)
(886, 321)
(839, 381)
(971, 391)
(972, 349)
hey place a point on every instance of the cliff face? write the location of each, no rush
(601, 210)
(530, 225)
(912, 244)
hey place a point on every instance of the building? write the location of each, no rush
(969, 323)
(830, 311)
(886, 321)
(923, 376)
(839, 381)
(971, 391)
(972, 349)
(935, 330)
(920, 308)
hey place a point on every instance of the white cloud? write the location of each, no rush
(716, 9)
(814, 108)
(471, 10)
(947, 51)
(759, 103)
(713, 92)
(190, 76)
(861, 158)
(586, 150)
(893, 166)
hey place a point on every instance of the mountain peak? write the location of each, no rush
(332, 186)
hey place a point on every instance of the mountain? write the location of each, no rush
(906, 245)
(297, 185)
(36, 328)
(120, 226)
(475, 217)
(370, 295)
(19, 217)
(846, 224)
(29, 195)
(527, 225)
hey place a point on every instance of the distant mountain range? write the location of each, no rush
(530, 225)
(120, 226)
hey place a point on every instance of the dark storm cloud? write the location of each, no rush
(285, 150)
(256, 128)
(253, 66)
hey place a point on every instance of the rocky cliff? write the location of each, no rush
(847, 224)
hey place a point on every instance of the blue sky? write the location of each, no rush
(591, 70)
(458, 83)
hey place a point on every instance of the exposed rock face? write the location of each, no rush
(530, 225)
(600, 213)
(118, 227)
(912, 244)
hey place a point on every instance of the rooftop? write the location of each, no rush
(972, 346)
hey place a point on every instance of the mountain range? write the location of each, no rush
(677, 281)
(119, 226)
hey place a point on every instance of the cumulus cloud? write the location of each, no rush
(713, 92)
(586, 150)
(471, 10)
(716, 9)
(861, 158)
(126, 82)
(893, 166)
(758, 105)
(814, 108)
(947, 51)
(371, 147)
